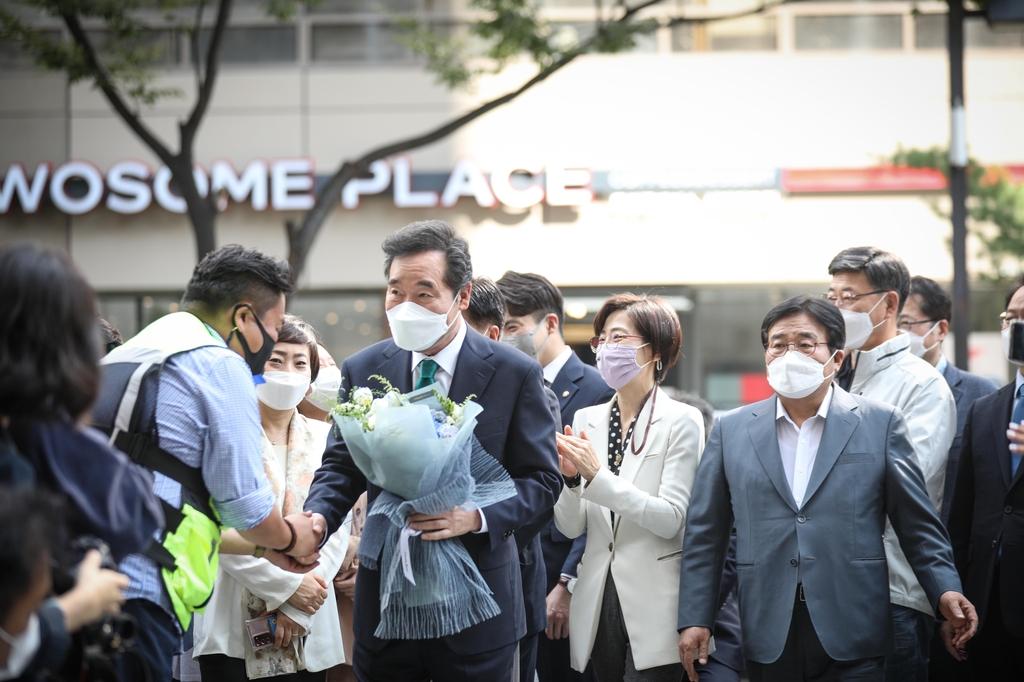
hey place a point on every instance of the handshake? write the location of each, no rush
(291, 542)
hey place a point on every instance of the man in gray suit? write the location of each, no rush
(807, 478)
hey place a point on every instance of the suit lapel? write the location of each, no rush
(765, 440)
(473, 371)
(564, 385)
(597, 432)
(396, 367)
(955, 380)
(1000, 422)
(630, 462)
(841, 422)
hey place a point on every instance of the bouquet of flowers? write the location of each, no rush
(419, 448)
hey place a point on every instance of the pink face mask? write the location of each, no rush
(617, 364)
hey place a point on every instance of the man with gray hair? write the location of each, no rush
(429, 283)
(870, 286)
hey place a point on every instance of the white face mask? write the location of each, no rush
(525, 342)
(1006, 346)
(415, 328)
(325, 388)
(23, 649)
(858, 326)
(917, 346)
(796, 375)
(282, 390)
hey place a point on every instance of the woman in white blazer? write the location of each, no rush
(629, 467)
(308, 637)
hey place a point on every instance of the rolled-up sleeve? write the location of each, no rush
(233, 461)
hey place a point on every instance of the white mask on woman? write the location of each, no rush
(325, 388)
(796, 375)
(282, 390)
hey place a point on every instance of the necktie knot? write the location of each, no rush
(428, 368)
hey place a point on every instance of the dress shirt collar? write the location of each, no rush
(447, 357)
(941, 365)
(780, 409)
(552, 369)
(1018, 382)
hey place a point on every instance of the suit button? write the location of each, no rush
(792, 562)
(1007, 509)
(609, 546)
(801, 518)
(995, 543)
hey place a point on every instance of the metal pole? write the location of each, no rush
(958, 182)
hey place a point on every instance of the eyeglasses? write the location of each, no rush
(1006, 319)
(907, 325)
(844, 299)
(777, 348)
(614, 340)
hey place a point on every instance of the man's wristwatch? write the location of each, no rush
(259, 551)
(568, 583)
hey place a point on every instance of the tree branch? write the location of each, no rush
(189, 128)
(131, 118)
(196, 61)
(722, 17)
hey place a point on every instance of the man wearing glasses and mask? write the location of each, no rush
(986, 520)
(870, 287)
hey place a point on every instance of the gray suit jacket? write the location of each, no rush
(966, 388)
(864, 470)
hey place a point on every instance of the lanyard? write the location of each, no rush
(650, 418)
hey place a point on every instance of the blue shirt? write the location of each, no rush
(207, 416)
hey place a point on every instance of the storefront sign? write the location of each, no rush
(130, 187)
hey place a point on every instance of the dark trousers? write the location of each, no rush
(420, 660)
(156, 641)
(804, 658)
(944, 668)
(220, 668)
(714, 671)
(912, 633)
(995, 654)
(612, 655)
(528, 658)
(553, 662)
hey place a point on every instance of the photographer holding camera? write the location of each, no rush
(49, 348)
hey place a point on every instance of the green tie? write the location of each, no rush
(428, 368)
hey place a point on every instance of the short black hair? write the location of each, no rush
(432, 235)
(885, 271)
(296, 330)
(1016, 286)
(29, 522)
(486, 304)
(232, 274)
(49, 335)
(527, 293)
(935, 302)
(826, 314)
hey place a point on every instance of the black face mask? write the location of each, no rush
(258, 360)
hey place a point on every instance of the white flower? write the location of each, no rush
(380, 403)
(456, 415)
(362, 397)
(371, 422)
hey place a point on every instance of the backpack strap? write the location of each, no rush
(141, 449)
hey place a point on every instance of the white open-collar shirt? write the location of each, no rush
(799, 445)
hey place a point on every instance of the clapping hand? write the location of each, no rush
(577, 455)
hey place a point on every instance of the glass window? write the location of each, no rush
(359, 43)
(683, 38)
(977, 33)
(347, 323)
(930, 31)
(165, 44)
(255, 44)
(747, 33)
(853, 32)
(12, 56)
(367, 6)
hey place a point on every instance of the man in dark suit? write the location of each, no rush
(429, 275)
(925, 319)
(986, 521)
(807, 478)
(534, 325)
(486, 314)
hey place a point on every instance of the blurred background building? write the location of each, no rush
(719, 165)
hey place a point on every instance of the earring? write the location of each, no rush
(658, 364)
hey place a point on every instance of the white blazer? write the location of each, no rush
(644, 547)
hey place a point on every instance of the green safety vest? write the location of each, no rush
(188, 553)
